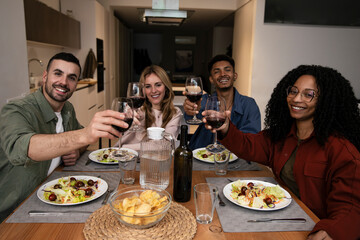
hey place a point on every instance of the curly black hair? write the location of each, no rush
(336, 111)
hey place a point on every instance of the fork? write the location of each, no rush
(107, 196)
(221, 202)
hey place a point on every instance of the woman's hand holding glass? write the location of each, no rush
(223, 129)
(215, 117)
(138, 117)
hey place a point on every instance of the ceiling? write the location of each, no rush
(198, 19)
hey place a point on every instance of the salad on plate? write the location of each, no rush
(204, 155)
(257, 195)
(104, 155)
(72, 190)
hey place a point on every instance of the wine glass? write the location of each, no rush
(215, 117)
(194, 91)
(135, 92)
(123, 105)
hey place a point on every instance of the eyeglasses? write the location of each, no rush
(307, 95)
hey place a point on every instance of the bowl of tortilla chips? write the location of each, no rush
(140, 207)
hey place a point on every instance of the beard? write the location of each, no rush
(225, 88)
(49, 89)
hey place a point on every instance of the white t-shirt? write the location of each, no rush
(55, 162)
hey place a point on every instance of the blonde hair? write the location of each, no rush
(167, 106)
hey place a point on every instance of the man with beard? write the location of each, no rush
(245, 113)
(40, 131)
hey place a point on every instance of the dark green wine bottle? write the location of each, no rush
(182, 169)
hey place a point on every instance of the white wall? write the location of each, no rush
(13, 61)
(42, 52)
(278, 48)
(243, 44)
(55, 4)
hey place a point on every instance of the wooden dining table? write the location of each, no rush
(63, 231)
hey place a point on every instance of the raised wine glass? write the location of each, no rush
(135, 92)
(215, 117)
(194, 91)
(123, 105)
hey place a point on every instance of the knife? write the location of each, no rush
(278, 219)
(35, 213)
(88, 161)
(107, 168)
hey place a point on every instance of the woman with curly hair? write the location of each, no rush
(311, 141)
(158, 109)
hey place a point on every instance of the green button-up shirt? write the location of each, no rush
(19, 121)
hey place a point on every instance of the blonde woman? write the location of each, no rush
(158, 109)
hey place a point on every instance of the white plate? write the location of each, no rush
(93, 156)
(227, 193)
(102, 187)
(210, 159)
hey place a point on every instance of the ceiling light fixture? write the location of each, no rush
(164, 12)
(164, 17)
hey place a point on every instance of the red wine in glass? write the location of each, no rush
(124, 106)
(135, 92)
(137, 101)
(194, 97)
(215, 117)
(120, 129)
(215, 122)
(194, 90)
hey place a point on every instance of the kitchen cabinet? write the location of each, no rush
(46, 25)
(84, 102)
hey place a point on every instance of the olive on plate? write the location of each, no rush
(250, 185)
(79, 184)
(88, 192)
(91, 182)
(52, 197)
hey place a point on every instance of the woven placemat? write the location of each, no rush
(103, 224)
